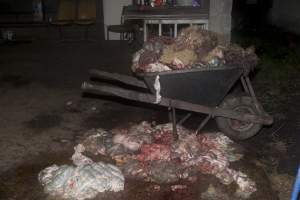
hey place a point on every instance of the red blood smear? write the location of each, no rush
(154, 152)
(163, 137)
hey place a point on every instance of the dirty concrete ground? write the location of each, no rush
(43, 113)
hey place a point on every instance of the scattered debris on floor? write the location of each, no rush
(283, 184)
(148, 153)
(178, 187)
(193, 48)
(97, 141)
(83, 181)
(213, 193)
(151, 153)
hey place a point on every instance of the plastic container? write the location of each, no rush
(296, 189)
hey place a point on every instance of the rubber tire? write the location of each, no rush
(232, 103)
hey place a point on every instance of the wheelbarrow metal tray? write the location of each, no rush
(206, 86)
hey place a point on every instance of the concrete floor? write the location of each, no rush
(37, 80)
(43, 111)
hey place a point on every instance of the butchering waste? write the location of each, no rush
(82, 181)
(147, 153)
(151, 153)
(193, 48)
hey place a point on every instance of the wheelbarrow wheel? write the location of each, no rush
(236, 129)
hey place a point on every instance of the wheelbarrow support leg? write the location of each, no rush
(174, 121)
(252, 94)
(249, 90)
(170, 114)
(244, 85)
(203, 123)
(184, 119)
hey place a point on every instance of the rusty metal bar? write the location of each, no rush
(129, 80)
(244, 85)
(174, 122)
(203, 123)
(184, 119)
(149, 98)
(252, 94)
(170, 114)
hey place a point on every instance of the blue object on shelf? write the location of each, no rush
(296, 188)
(196, 3)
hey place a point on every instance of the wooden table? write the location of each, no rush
(167, 15)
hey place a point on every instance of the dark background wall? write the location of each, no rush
(286, 14)
(25, 7)
(7, 6)
(14, 12)
(250, 13)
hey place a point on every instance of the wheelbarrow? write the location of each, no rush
(199, 90)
